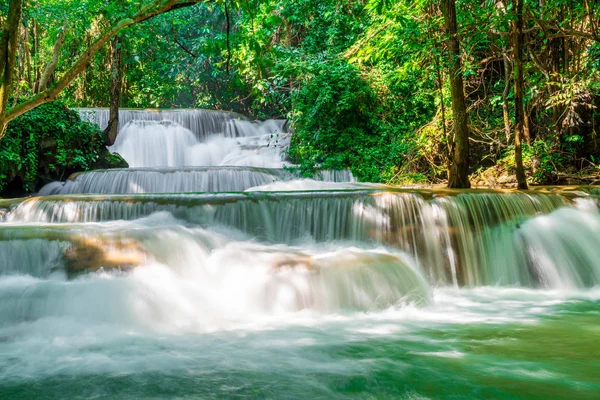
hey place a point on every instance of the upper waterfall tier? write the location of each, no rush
(184, 138)
(168, 144)
(203, 123)
(192, 151)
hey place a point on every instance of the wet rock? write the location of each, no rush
(92, 254)
(109, 160)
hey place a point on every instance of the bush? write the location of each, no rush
(341, 122)
(45, 144)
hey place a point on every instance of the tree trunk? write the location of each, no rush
(51, 67)
(8, 56)
(526, 126)
(505, 93)
(459, 163)
(116, 84)
(28, 58)
(517, 39)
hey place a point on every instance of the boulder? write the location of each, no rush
(90, 254)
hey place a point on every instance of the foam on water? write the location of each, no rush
(198, 278)
(195, 180)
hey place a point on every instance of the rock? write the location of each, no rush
(110, 160)
(293, 261)
(92, 254)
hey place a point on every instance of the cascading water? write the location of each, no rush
(464, 240)
(192, 179)
(141, 283)
(166, 143)
(202, 123)
(191, 151)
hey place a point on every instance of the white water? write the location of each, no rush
(196, 278)
(203, 123)
(467, 240)
(168, 144)
(166, 180)
(182, 151)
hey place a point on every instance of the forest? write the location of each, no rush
(457, 92)
(300, 199)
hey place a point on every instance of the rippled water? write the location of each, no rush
(485, 343)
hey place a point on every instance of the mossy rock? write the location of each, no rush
(110, 160)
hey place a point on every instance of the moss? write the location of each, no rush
(110, 160)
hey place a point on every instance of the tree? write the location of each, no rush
(116, 84)
(459, 160)
(517, 43)
(9, 50)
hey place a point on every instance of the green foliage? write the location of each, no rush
(335, 121)
(365, 82)
(50, 140)
(341, 122)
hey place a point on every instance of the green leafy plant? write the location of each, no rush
(47, 142)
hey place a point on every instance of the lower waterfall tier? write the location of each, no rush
(530, 240)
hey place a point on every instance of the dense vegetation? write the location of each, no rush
(369, 85)
(48, 144)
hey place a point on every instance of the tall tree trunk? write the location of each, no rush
(526, 126)
(116, 85)
(505, 93)
(9, 42)
(28, 57)
(459, 163)
(34, 54)
(53, 63)
(517, 39)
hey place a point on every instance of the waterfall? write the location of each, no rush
(231, 276)
(561, 249)
(214, 170)
(461, 240)
(187, 151)
(202, 123)
(194, 179)
(168, 144)
(167, 180)
(211, 253)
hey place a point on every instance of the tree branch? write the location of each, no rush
(181, 45)
(49, 70)
(157, 7)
